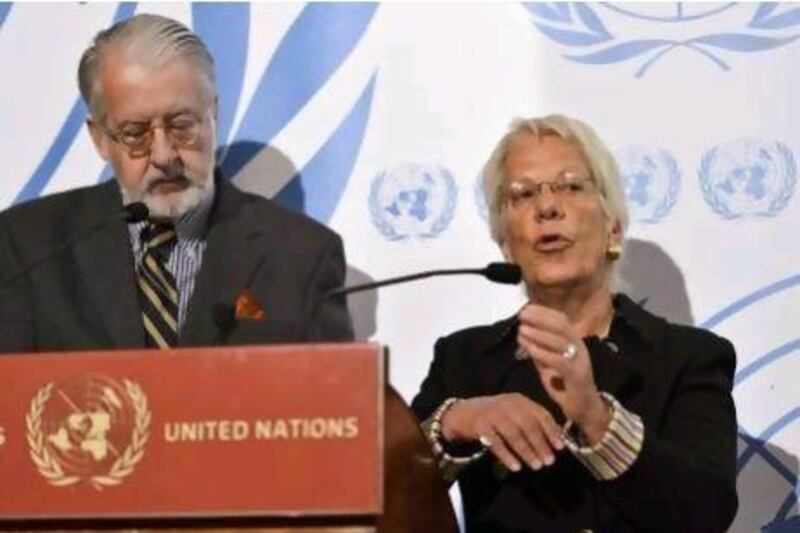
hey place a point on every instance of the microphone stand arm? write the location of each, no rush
(400, 279)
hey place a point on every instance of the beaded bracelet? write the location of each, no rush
(435, 437)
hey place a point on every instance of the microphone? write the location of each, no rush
(131, 213)
(135, 212)
(507, 273)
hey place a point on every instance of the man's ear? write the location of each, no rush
(100, 139)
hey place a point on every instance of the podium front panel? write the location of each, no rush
(256, 431)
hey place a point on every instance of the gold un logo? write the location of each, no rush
(90, 429)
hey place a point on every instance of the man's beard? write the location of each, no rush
(174, 205)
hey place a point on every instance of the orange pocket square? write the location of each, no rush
(247, 307)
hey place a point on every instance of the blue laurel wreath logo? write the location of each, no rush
(580, 27)
(412, 200)
(652, 181)
(748, 178)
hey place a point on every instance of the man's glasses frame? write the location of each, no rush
(183, 131)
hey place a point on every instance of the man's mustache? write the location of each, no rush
(168, 180)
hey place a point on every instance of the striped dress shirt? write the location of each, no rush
(186, 256)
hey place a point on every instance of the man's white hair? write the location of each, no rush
(147, 38)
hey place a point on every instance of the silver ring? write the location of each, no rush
(571, 351)
(485, 441)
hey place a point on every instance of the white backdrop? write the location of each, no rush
(376, 119)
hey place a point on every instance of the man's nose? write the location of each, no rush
(162, 153)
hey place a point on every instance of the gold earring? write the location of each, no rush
(614, 251)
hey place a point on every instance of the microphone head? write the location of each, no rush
(136, 212)
(508, 273)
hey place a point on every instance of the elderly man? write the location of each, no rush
(176, 278)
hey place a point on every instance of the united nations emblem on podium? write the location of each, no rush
(91, 429)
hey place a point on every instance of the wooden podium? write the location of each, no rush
(300, 437)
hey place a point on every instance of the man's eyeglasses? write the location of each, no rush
(520, 193)
(182, 131)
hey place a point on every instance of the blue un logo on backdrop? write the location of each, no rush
(412, 200)
(748, 177)
(617, 32)
(479, 197)
(651, 180)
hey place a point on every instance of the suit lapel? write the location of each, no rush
(228, 267)
(616, 373)
(636, 336)
(106, 264)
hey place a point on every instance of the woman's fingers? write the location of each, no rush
(545, 318)
(549, 429)
(519, 430)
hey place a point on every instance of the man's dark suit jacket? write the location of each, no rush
(86, 298)
(677, 378)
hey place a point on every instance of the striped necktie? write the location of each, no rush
(158, 293)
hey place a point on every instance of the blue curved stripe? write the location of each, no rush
(41, 176)
(105, 174)
(65, 137)
(791, 500)
(750, 299)
(5, 7)
(319, 40)
(318, 187)
(766, 359)
(756, 445)
(225, 29)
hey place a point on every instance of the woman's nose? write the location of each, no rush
(548, 205)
